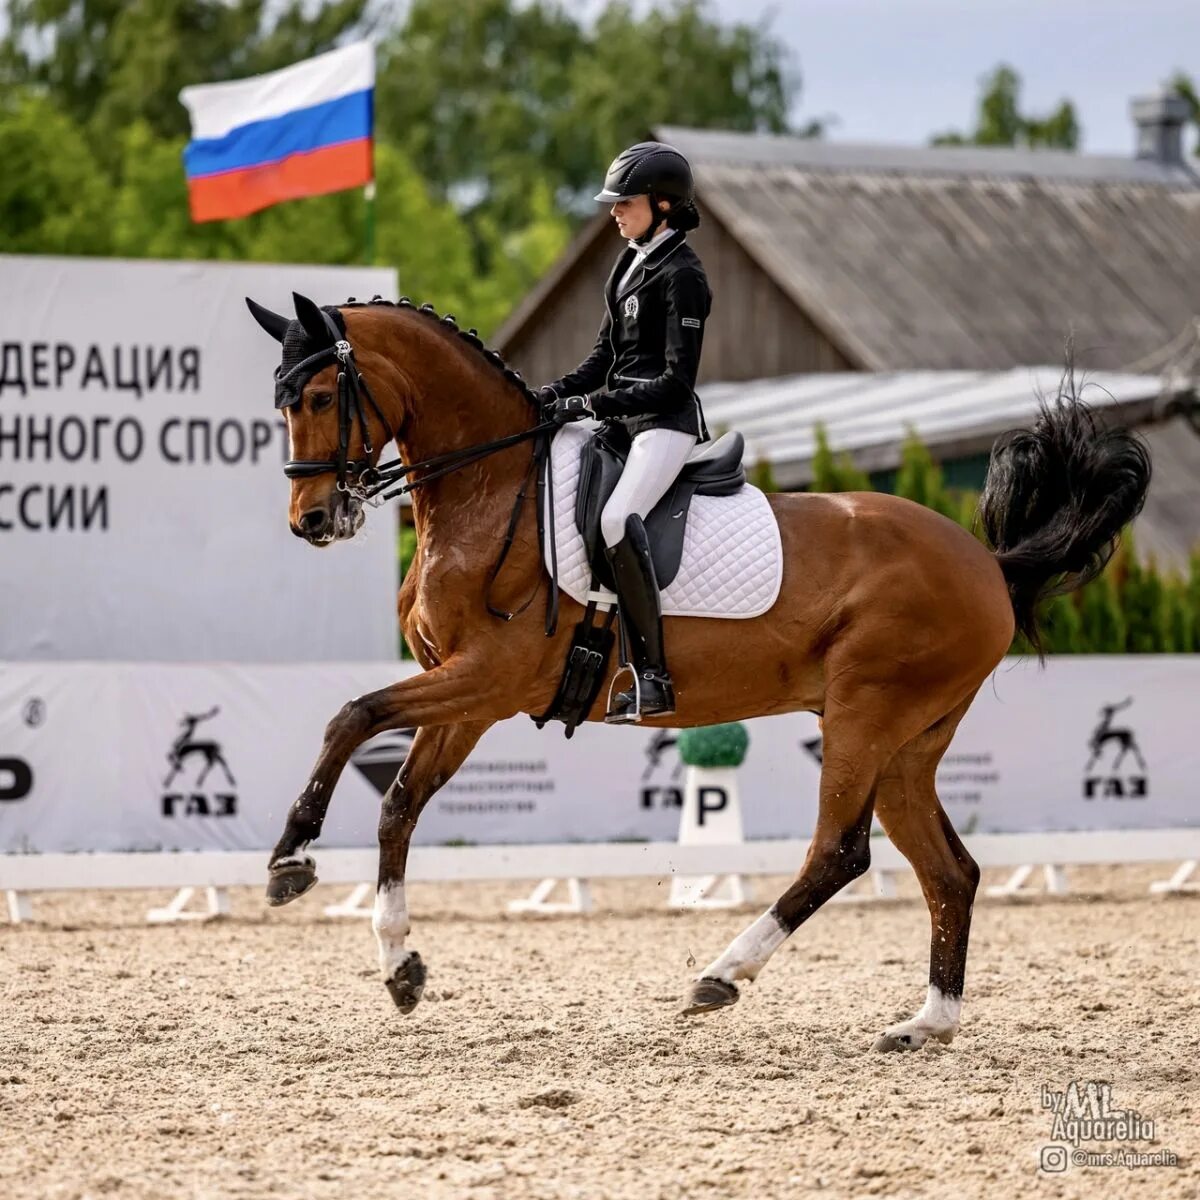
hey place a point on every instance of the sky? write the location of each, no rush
(900, 70)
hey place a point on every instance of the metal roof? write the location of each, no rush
(954, 412)
(961, 257)
(960, 413)
(783, 150)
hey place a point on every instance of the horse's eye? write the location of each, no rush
(320, 400)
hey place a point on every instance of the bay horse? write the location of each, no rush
(889, 618)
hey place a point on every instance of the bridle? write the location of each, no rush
(361, 480)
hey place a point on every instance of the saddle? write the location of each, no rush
(713, 470)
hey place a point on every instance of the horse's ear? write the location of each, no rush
(273, 323)
(313, 320)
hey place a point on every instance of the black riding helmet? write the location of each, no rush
(651, 169)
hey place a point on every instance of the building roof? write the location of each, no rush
(1001, 162)
(868, 414)
(957, 414)
(972, 257)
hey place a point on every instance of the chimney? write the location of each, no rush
(1160, 119)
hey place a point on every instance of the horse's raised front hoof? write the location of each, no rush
(407, 983)
(289, 879)
(707, 994)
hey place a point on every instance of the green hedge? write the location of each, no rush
(714, 745)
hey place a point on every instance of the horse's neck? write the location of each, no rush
(470, 405)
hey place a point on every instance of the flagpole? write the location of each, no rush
(369, 223)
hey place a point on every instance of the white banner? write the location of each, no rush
(179, 757)
(143, 507)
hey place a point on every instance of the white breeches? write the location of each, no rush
(655, 460)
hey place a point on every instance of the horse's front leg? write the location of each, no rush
(436, 753)
(458, 691)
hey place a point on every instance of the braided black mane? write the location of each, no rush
(470, 336)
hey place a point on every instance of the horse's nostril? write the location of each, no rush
(314, 521)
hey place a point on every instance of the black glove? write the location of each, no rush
(565, 409)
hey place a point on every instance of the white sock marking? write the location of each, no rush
(391, 924)
(938, 1018)
(747, 954)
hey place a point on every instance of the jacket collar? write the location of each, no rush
(645, 268)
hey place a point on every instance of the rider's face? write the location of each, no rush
(632, 216)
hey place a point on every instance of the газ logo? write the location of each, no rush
(197, 803)
(1106, 782)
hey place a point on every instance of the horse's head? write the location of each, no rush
(337, 425)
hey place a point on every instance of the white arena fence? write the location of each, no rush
(153, 775)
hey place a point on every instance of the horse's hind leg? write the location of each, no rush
(908, 808)
(437, 752)
(855, 750)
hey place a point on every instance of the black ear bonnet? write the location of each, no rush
(304, 355)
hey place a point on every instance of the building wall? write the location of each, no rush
(755, 331)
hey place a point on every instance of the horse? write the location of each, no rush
(888, 619)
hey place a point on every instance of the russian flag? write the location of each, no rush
(302, 131)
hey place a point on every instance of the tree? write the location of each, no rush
(835, 474)
(763, 477)
(108, 63)
(1145, 613)
(50, 202)
(1104, 629)
(1183, 85)
(1178, 619)
(920, 478)
(999, 121)
(490, 97)
(1062, 627)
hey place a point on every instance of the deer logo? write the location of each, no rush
(187, 746)
(1123, 736)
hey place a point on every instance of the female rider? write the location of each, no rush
(641, 376)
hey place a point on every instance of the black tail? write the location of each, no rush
(1056, 499)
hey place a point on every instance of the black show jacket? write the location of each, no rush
(642, 370)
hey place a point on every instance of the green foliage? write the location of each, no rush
(533, 91)
(835, 473)
(1185, 86)
(714, 745)
(1000, 122)
(1062, 627)
(920, 478)
(763, 477)
(493, 118)
(109, 63)
(1179, 619)
(1142, 598)
(1104, 630)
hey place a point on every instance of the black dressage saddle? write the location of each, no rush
(715, 469)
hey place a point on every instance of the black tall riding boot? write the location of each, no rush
(641, 624)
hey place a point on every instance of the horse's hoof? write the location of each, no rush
(911, 1039)
(885, 1043)
(708, 994)
(407, 983)
(289, 879)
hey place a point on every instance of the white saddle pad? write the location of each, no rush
(732, 558)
